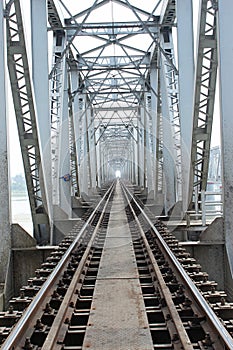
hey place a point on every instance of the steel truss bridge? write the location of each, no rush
(116, 87)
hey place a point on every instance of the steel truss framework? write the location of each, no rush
(204, 95)
(27, 121)
(111, 124)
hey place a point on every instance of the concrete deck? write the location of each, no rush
(118, 319)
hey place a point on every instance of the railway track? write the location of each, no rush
(122, 281)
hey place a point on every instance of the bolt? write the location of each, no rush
(212, 289)
(207, 341)
(205, 279)
(175, 337)
(223, 301)
(10, 310)
(67, 321)
(39, 325)
(27, 344)
(55, 295)
(22, 295)
(71, 304)
(48, 308)
(187, 302)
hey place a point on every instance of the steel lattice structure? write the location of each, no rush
(117, 100)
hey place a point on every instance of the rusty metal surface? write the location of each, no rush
(118, 318)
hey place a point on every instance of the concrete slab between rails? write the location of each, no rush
(118, 318)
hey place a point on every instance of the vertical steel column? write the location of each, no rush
(138, 152)
(26, 116)
(84, 156)
(64, 152)
(148, 143)
(154, 118)
(141, 150)
(5, 233)
(170, 77)
(168, 148)
(92, 152)
(74, 75)
(186, 87)
(97, 157)
(204, 96)
(225, 46)
(134, 150)
(144, 144)
(56, 97)
(159, 178)
(40, 71)
(99, 149)
(88, 141)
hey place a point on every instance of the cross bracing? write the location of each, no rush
(117, 96)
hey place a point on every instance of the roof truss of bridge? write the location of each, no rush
(112, 55)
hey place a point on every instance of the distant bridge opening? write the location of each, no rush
(118, 173)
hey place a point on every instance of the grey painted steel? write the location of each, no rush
(74, 110)
(170, 77)
(126, 89)
(226, 75)
(169, 183)
(91, 142)
(5, 233)
(25, 110)
(159, 177)
(204, 95)
(154, 118)
(118, 318)
(216, 322)
(56, 104)
(84, 169)
(149, 144)
(18, 328)
(215, 167)
(63, 143)
(117, 28)
(186, 85)
(72, 142)
(40, 73)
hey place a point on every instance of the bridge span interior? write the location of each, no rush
(107, 89)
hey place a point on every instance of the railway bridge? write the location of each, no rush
(123, 112)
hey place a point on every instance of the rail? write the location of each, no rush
(214, 320)
(19, 328)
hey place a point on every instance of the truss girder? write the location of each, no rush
(116, 62)
(53, 17)
(22, 93)
(168, 13)
(204, 96)
(112, 29)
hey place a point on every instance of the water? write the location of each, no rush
(21, 213)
